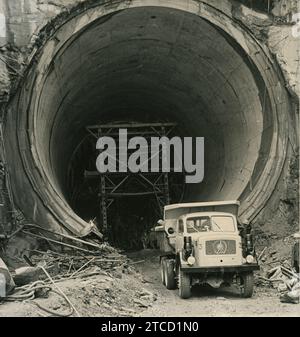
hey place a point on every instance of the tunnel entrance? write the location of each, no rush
(164, 62)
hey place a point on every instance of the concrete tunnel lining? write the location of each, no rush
(174, 63)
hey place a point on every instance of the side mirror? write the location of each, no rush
(171, 230)
(161, 222)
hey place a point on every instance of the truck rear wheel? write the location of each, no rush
(170, 281)
(247, 284)
(184, 284)
(162, 270)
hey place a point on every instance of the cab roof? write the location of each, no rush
(198, 214)
(202, 204)
(174, 211)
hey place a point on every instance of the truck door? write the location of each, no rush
(179, 237)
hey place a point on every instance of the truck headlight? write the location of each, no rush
(191, 260)
(249, 259)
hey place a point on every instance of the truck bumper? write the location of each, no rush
(222, 270)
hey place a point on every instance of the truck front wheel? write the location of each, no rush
(184, 284)
(247, 284)
(162, 270)
(170, 281)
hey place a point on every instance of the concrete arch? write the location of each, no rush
(182, 40)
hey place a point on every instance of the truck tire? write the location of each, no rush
(162, 270)
(247, 284)
(184, 284)
(295, 256)
(170, 281)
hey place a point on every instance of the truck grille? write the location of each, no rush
(220, 247)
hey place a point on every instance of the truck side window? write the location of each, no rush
(180, 226)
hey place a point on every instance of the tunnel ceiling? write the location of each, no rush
(152, 64)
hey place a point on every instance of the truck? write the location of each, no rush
(203, 243)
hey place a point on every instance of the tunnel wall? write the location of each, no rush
(25, 20)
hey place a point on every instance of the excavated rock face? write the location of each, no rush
(197, 63)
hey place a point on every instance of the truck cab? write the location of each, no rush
(201, 243)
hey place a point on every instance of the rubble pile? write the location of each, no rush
(76, 277)
(66, 266)
(277, 272)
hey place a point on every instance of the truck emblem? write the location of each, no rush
(220, 247)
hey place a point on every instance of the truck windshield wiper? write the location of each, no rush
(194, 229)
(217, 225)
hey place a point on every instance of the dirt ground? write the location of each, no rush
(139, 292)
(211, 302)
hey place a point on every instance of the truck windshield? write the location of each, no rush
(207, 224)
(198, 224)
(222, 224)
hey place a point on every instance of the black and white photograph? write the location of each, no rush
(149, 161)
